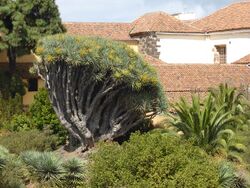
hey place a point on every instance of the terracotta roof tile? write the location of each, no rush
(153, 61)
(243, 60)
(116, 31)
(232, 17)
(160, 22)
(191, 77)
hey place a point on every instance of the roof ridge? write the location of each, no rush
(189, 25)
(143, 15)
(222, 8)
(160, 21)
(224, 18)
(96, 22)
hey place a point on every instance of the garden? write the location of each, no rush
(93, 126)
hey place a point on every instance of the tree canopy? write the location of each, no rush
(100, 89)
(23, 22)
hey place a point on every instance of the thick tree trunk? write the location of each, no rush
(11, 53)
(90, 110)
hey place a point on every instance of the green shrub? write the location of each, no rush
(43, 115)
(151, 160)
(13, 172)
(20, 122)
(8, 108)
(207, 124)
(17, 142)
(4, 153)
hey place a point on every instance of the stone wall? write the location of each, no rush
(148, 44)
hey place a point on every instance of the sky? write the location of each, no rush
(129, 10)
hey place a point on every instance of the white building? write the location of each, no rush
(222, 37)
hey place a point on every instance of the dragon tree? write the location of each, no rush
(99, 88)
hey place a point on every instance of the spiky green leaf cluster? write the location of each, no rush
(214, 122)
(100, 54)
(50, 170)
(204, 122)
(105, 60)
(45, 166)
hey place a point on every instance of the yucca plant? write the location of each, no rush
(203, 122)
(45, 167)
(74, 173)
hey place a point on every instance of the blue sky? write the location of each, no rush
(129, 10)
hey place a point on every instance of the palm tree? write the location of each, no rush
(205, 123)
(233, 101)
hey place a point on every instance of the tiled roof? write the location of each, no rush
(182, 80)
(160, 22)
(153, 61)
(244, 60)
(116, 31)
(232, 17)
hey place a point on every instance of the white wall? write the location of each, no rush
(176, 48)
(184, 49)
(237, 44)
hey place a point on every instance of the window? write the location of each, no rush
(222, 51)
(33, 84)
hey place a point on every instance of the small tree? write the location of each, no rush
(207, 123)
(99, 89)
(23, 22)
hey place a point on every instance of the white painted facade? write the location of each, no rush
(198, 48)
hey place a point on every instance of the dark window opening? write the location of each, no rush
(33, 84)
(221, 49)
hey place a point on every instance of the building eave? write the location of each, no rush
(238, 31)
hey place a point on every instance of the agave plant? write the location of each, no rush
(205, 123)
